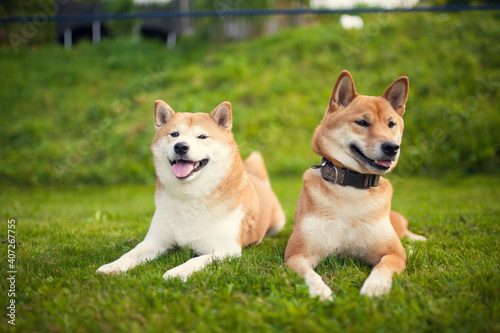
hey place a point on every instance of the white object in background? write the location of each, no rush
(351, 22)
(347, 4)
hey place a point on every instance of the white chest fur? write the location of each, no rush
(350, 222)
(344, 237)
(206, 228)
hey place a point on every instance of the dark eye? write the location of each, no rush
(174, 134)
(392, 124)
(202, 136)
(362, 123)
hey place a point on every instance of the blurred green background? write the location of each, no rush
(85, 115)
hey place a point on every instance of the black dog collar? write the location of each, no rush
(346, 177)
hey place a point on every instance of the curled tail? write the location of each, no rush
(255, 166)
(270, 207)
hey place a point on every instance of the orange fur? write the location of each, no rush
(347, 221)
(206, 197)
(246, 184)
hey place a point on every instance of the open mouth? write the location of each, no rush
(182, 169)
(382, 165)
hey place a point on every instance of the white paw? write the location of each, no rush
(318, 288)
(181, 272)
(116, 267)
(376, 284)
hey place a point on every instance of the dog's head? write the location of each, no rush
(189, 146)
(362, 133)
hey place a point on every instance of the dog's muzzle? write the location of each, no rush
(183, 167)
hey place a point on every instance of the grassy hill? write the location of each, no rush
(85, 115)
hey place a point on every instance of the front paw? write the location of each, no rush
(318, 288)
(377, 284)
(116, 267)
(178, 272)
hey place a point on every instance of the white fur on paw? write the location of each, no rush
(376, 284)
(179, 271)
(116, 267)
(317, 287)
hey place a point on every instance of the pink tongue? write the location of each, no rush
(182, 169)
(386, 164)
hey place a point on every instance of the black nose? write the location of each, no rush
(390, 148)
(181, 148)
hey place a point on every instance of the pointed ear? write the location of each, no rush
(343, 93)
(163, 113)
(397, 94)
(223, 116)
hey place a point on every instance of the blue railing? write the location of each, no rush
(249, 12)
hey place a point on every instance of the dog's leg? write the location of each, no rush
(148, 249)
(157, 241)
(304, 267)
(195, 264)
(379, 282)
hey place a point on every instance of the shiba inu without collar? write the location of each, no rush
(206, 198)
(344, 207)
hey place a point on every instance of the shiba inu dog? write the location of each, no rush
(206, 197)
(344, 207)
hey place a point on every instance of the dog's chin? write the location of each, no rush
(375, 166)
(186, 170)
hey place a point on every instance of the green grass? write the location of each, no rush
(64, 234)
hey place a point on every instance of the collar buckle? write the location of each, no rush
(346, 177)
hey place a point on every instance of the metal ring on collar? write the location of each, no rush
(336, 173)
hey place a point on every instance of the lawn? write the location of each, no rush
(64, 234)
(77, 177)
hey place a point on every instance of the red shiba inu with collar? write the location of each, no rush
(344, 207)
(206, 198)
